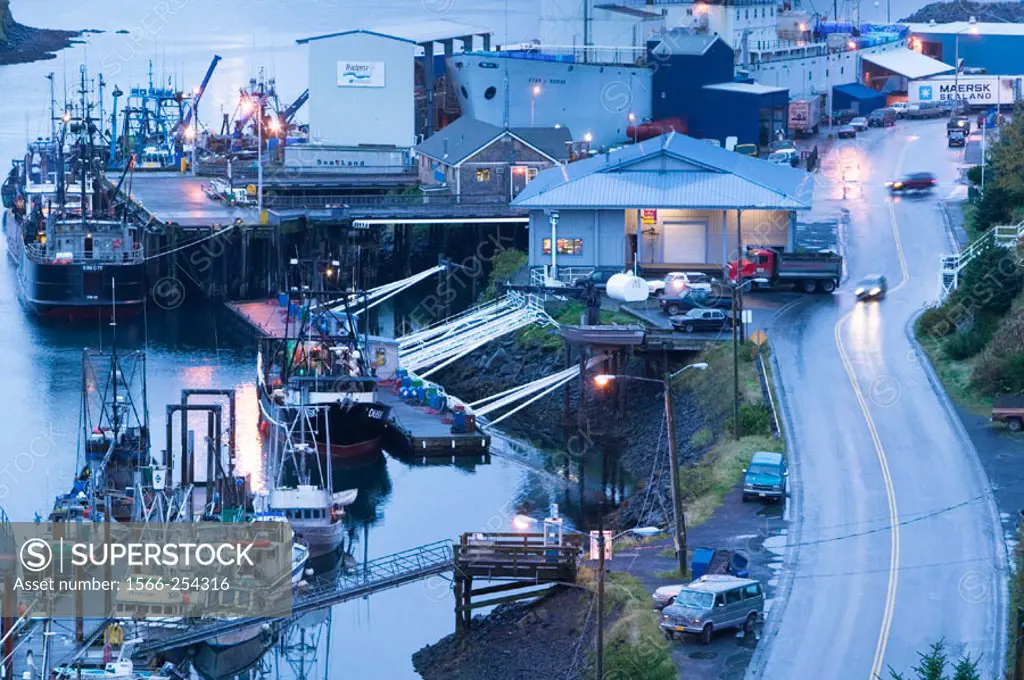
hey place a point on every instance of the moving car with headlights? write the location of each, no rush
(860, 123)
(957, 138)
(765, 477)
(702, 320)
(714, 602)
(871, 288)
(847, 132)
(915, 181)
(958, 124)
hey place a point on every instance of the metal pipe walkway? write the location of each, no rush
(379, 574)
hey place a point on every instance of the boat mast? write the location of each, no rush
(53, 111)
(81, 142)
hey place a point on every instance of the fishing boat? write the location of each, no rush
(121, 668)
(76, 253)
(316, 515)
(322, 365)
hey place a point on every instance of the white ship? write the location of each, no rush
(589, 69)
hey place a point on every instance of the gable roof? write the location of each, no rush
(418, 32)
(680, 41)
(461, 139)
(695, 175)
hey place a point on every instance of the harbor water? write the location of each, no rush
(404, 506)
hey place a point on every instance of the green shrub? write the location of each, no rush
(965, 344)
(702, 438)
(504, 265)
(974, 174)
(1008, 338)
(934, 323)
(755, 419)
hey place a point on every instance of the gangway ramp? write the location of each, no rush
(431, 349)
(365, 579)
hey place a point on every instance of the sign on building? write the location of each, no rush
(360, 73)
(649, 216)
(976, 90)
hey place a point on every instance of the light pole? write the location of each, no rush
(524, 522)
(972, 27)
(533, 101)
(678, 518)
(632, 121)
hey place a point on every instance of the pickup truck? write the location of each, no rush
(927, 110)
(1010, 410)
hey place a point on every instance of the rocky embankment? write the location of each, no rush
(515, 642)
(635, 436)
(20, 44)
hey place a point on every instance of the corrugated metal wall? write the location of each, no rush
(350, 116)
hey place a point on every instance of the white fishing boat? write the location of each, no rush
(316, 515)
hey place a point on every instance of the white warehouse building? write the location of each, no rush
(363, 83)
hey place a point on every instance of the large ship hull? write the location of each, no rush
(75, 291)
(585, 98)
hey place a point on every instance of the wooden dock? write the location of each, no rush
(522, 564)
(422, 432)
(266, 318)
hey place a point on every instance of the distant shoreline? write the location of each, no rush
(26, 44)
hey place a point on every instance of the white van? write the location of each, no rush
(714, 602)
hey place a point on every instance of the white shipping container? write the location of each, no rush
(976, 90)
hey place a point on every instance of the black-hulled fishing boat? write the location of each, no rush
(76, 256)
(322, 364)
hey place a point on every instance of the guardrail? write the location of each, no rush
(382, 200)
(1006, 236)
(45, 254)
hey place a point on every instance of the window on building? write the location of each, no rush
(566, 246)
(483, 175)
(772, 10)
(531, 173)
(746, 14)
(737, 14)
(689, 12)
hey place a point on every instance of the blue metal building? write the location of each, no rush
(694, 80)
(668, 203)
(996, 47)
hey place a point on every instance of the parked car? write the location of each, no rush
(599, 277)
(790, 157)
(1009, 409)
(860, 123)
(751, 150)
(927, 110)
(847, 132)
(900, 108)
(781, 145)
(676, 283)
(882, 118)
(843, 116)
(714, 602)
(665, 595)
(765, 477)
(956, 138)
(674, 305)
(701, 320)
(915, 181)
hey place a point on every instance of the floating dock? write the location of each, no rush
(414, 430)
(170, 198)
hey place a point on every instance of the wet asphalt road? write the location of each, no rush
(897, 542)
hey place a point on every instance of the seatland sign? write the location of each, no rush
(975, 90)
(360, 73)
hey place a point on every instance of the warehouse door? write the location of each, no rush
(684, 242)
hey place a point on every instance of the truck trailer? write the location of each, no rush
(770, 267)
(804, 115)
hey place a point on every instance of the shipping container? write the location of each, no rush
(977, 91)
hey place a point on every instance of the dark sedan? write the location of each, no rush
(702, 320)
(695, 298)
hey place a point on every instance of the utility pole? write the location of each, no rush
(737, 315)
(600, 572)
(678, 518)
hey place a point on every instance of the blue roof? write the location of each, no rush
(858, 91)
(692, 174)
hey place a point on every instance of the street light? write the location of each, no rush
(632, 121)
(678, 518)
(533, 100)
(523, 522)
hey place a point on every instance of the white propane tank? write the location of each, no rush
(627, 287)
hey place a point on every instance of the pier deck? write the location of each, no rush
(173, 198)
(267, 318)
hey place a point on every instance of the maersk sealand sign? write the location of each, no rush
(975, 90)
(360, 73)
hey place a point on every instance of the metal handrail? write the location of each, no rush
(46, 253)
(390, 200)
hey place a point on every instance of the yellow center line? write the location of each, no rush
(883, 463)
